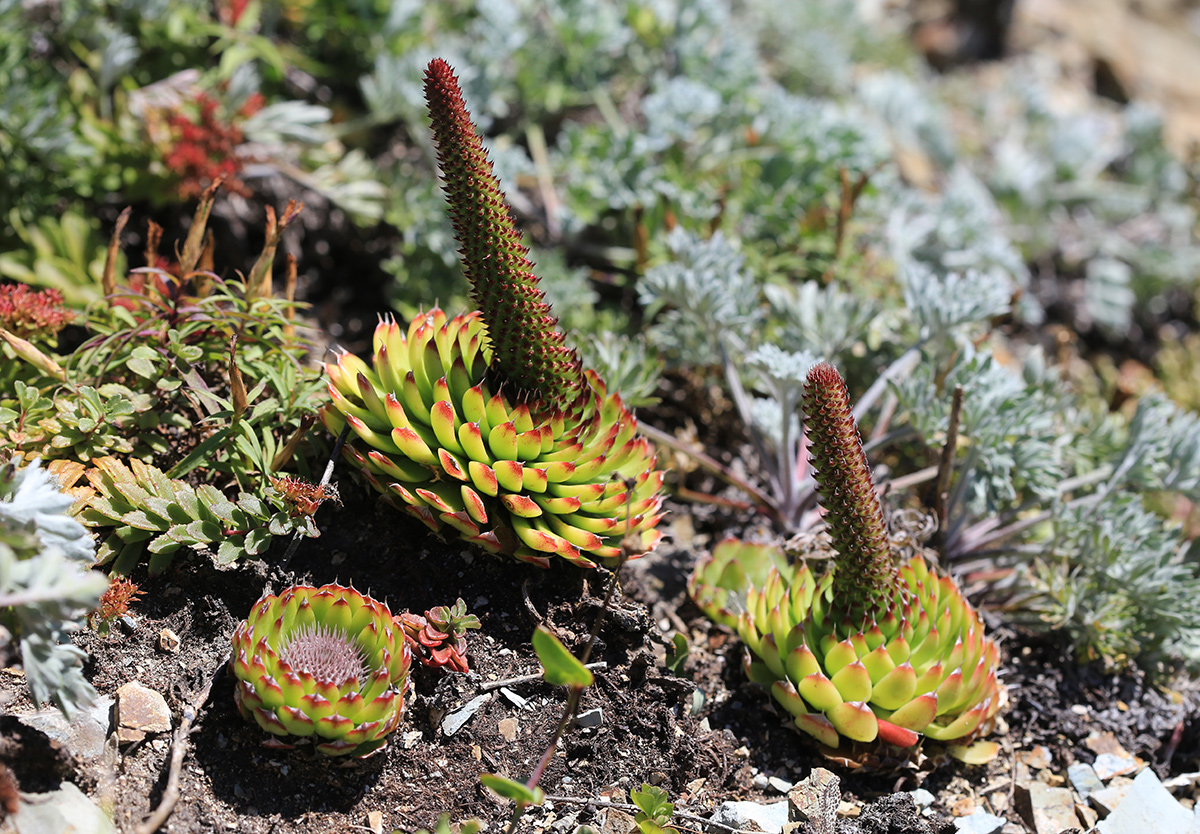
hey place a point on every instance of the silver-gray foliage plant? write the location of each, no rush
(46, 584)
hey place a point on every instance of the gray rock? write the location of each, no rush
(456, 720)
(922, 798)
(64, 811)
(1084, 780)
(1148, 806)
(750, 816)
(85, 734)
(590, 719)
(979, 822)
(1108, 765)
(781, 785)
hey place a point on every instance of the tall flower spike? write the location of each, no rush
(852, 512)
(485, 423)
(527, 348)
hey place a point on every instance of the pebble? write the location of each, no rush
(455, 721)
(1108, 765)
(590, 719)
(781, 785)
(1108, 798)
(375, 821)
(86, 733)
(922, 798)
(508, 728)
(979, 822)
(67, 809)
(140, 710)
(1084, 780)
(514, 699)
(750, 816)
(168, 641)
(1046, 810)
(1148, 806)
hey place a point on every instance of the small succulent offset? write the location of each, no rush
(439, 638)
(487, 422)
(879, 647)
(325, 663)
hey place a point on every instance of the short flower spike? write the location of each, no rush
(486, 423)
(872, 651)
(325, 663)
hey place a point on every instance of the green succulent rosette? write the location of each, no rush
(324, 663)
(513, 477)
(921, 667)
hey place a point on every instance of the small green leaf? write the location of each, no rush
(508, 789)
(677, 653)
(257, 541)
(559, 666)
(228, 552)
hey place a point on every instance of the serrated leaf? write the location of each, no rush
(257, 540)
(223, 510)
(559, 666)
(228, 552)
(252, 505)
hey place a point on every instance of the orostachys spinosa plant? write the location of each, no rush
(328, 664)
(878, 648)
(487, 423)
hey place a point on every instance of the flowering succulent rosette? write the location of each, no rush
(486, 423)
(324, 663)
(878, 647)
(923, 667)
(454, 454)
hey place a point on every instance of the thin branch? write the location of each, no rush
(946, 463)
(537, 676)
(179, 749)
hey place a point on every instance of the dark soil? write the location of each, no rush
(702, 748)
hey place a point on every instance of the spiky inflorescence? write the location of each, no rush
(327, 663)
(527, 348)
(485, 422)
(865, 573)
(879, 647)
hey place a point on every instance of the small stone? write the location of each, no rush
(1107, 799)
(507, 727)
(1106, 742)
(781, 785)
(140, 710)
(979, 822)
(1108, 765)
(964, 806)
(1087, 814)
(67, 809)
(455, 721)
(514, 699)
(168, 641)
(815, 801)
(590, 719)
(375, 821)
(1148, 806)
(750, 816)
(922, 798)
(849, 809)
(86, 733)
(1084, 780)
(1037, 758)
(1046, 810)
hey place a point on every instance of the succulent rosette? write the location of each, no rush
(324, 663)
(921, 667)
(876, 648)
(486, 423)
(453, 453)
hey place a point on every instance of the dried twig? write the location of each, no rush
(537, 676)
(179, 748)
